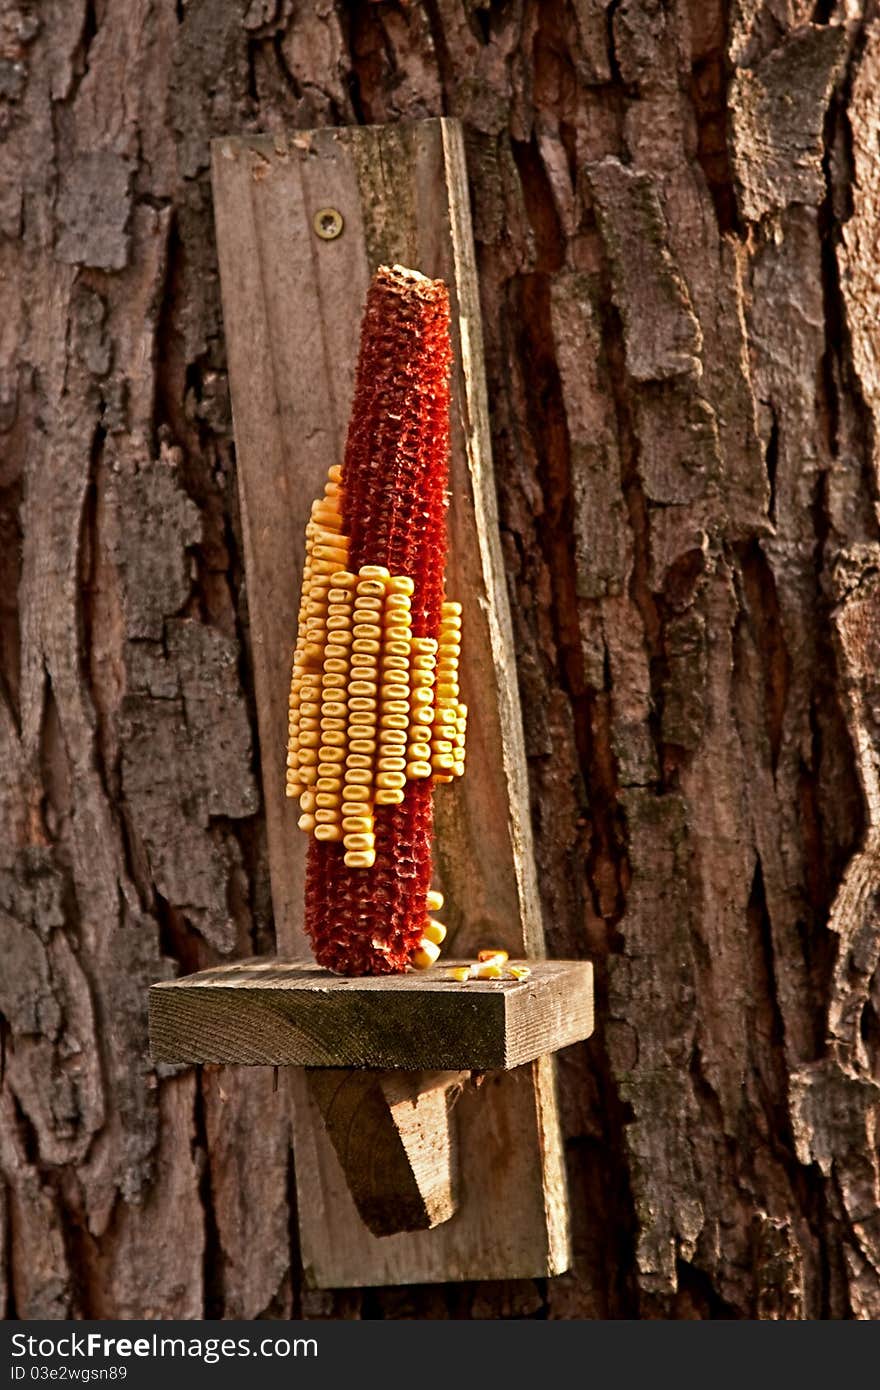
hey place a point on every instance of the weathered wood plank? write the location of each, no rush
(292, 306)
(268, 1012)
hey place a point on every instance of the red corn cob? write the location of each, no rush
(394, 488)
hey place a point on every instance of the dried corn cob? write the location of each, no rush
(375, 717)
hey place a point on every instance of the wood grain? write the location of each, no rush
(394, 1135)
(268, 1012)
(292, 306)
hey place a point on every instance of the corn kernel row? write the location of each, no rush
(371, 706)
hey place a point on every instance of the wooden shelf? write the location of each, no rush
(293, 1013)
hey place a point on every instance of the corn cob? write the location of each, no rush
(375, 716)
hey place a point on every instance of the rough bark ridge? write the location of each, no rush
(677, 212)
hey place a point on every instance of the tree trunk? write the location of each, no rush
(677, 214)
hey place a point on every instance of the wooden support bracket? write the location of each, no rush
(302, 222)
(392, 1128)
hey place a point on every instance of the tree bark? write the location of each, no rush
(677, 213)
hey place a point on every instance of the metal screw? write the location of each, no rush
(328, 223)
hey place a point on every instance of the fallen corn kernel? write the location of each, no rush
(520, 972)
(425, 954)
(460, 973)
(487, 972)
(496, 957)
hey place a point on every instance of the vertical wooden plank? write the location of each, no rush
(292, 306)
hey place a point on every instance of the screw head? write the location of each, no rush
(328, 223)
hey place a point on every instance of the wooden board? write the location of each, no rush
(273, 1012)
(292, 304)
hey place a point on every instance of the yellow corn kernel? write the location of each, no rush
(328, 784)
(460, 973)
(424, 646)
(435, 931)
(358, 760)
(343, 579)
(394, 721)
(395, 707)
(441, 745)
(387, 796)
(358, 825)
(425, 954)
(371, 588)
(418, 769)
(306, 823)
(360, 858)
(332, 738)
(493, 955)
(307, 775)
(393, 737)
(520, 972)
(423, 714)
(328, 754)
(353, 792)
(334, 473)
(401, 584)
(307, 801)
(360, 841)
(395, 647)
(362, 631)
(290, 789)
(419, 752)
(355, 808)
(394, 691)
(328, 832)
(328, 815)
(362, 745)
(434, 900)
(361, 704)
(442, 762)
(450, 608)
(394, 781)
(391, 764)
(487, 972)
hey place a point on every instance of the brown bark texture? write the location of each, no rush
(677, 216)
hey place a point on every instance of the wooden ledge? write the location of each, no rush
(293, 1013)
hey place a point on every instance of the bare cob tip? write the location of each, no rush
(399, 279)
